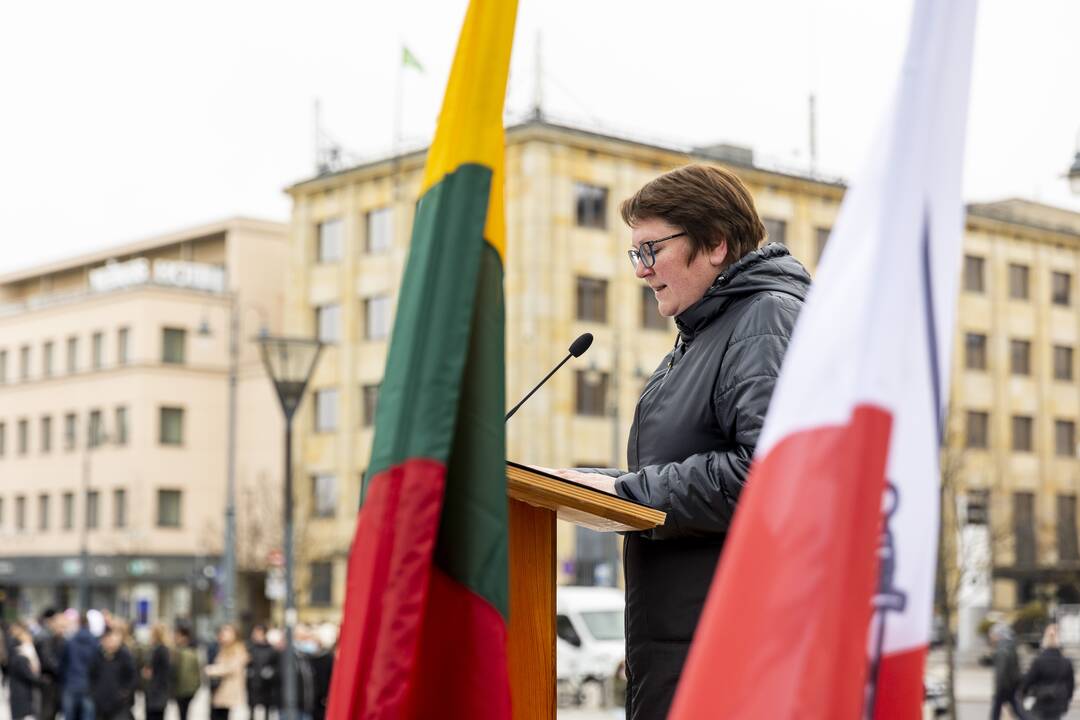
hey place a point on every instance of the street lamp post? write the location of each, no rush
(289, 362)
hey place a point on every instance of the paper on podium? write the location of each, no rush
(578, 504)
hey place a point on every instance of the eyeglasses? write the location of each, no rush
(646, 252)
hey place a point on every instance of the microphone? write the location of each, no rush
(577, 349)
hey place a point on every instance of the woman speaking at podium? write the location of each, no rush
(695, 242)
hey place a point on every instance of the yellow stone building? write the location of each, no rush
(567, 273)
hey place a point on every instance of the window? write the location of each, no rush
(97, 350)
(1024, 527)
(975, 351)
(20, 514)
(591, 392)
(380, 230)
(1, 513)
(171, 423)
(95, 430)
(43, 512)
(326, 410)
(331, 240)
(1060, 288)
(1018, 281)
(1066, 528)
(376, 317)
(24, 437)
(173, 341)
(324, 495)
(46, 434)
(590, 206)
(47, 359)
(70, 430)
(1020, 357)
(1065, 438)
(93, 510)
(168, 508)
(1063, 362)
(123, 346)
(120, 426)
(977, 507)
(328, 322)
(974, 274)
(3, 439)
(3, 366)
(322, 583)
(1022, 440)
(821, 239)
(68, 510)
(592, 299)
(977, 430)
(119, 508)
(370, 399)
(776, 230)
(651, 319)
(24, 362)
(72, 354)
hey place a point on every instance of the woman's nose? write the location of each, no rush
(641, 271)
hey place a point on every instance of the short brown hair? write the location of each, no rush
(709, 203)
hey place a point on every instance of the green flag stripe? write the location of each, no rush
(472, 542)
(418, 398)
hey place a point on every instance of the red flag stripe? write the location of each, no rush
(387, 588)
(900, 686)
(811, 513)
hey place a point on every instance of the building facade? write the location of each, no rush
(566, 273)
(114, 421)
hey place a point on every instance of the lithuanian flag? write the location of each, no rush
(424, 627)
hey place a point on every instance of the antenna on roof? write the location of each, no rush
(328, 152)
(538, 87)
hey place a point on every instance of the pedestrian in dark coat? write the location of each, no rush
(24, 675)
(113, 679)
(50, 649)
(322, 668)
(1006, 673)
(1049, 680)
(695, 238)
(157, 675)
(79, 653)
(263, 673)
(186, 671)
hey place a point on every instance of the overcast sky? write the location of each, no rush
(120, 120)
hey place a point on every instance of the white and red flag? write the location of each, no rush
(822, 604)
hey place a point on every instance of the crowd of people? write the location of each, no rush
(92, 666)
(1045, 691)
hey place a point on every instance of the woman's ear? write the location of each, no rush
(718, 254)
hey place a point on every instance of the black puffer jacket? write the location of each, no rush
(694, 432)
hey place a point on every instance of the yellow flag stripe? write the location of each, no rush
(470, 125)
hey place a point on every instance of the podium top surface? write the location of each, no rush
(578, 504)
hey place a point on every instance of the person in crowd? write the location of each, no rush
(1006, 673)
(322, 667)
(695, 237)
(113, 678)
(186, 673)
(1049, 680)
(263, 673)
(24, 675)
(78, 654)
(157, 675)
(303, 646)
(49, 644)
(228, 672)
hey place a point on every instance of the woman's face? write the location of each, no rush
(676, 285)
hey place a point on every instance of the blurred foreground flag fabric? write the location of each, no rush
(425, 617)
(822, 603)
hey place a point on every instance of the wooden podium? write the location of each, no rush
(536, 499)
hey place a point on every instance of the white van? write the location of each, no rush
(591, 641)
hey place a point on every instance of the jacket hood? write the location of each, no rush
(770, 268)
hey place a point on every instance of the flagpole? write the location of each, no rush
(396, 148)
